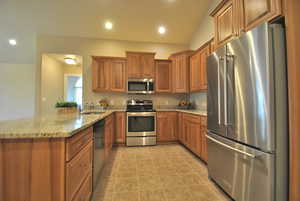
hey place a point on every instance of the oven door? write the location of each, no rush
(141, 124)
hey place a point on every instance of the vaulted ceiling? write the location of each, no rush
(134, 20)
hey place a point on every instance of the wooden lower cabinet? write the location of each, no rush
(38, 169)
(85, 192)
(108, 135)
(77, 170)
(167, 126)
(120, 127)
(193, 131)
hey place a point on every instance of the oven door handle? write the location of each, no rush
(141, 114)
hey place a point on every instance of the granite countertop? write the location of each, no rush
(60, 125)
(51, 126)
(192, 111)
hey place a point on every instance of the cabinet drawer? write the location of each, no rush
(78, 169)
(78, 141)
(193, 118)
(85, 190)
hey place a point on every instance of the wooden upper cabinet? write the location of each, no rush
(180, 71)
(167, 126)
(255, 12)
(101, 75)
(108, 74)
(148, 66)
(118, 72)
(163, 78)
(134, 69)
(195, 72)
(225, 22)
(198, 80)
(204, 53)
(140, 65)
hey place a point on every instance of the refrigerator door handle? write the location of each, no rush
(225, 91)
(231, 148)
(219, 92)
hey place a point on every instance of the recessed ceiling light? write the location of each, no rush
(12, 42)
(70, 61)
(162, 30)
(108, 25)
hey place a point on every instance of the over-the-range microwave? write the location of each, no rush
(140, 86)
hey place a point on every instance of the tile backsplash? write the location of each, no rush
(119, 99)
(199, 100)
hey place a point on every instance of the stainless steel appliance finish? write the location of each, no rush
(141, 123)
(98, 161)
(140, 86)
(243, 172)
(247, 116)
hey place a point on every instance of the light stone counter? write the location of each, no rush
(196, 112)
(54, 126)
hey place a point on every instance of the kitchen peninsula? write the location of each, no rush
(51, 157)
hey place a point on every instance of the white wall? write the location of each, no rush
(52, 84)
(96, 47)
(205, 31)
(17, 90)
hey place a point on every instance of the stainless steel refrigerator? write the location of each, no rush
(247, 116)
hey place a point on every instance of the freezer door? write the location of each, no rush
(215, 91)
(246, 174)
(252, 110)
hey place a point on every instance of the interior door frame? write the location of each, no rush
(66, 83)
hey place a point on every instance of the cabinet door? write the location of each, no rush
(204, 53)
(225, 24)
(120, 127)
(166, 126)
(195, 134)
(180, 127)
(118, 70)
(195, 72)
(108, 135)
(180, 74)
(163, 77)
(147, 65)
(101, 75)
(134, 69)
(256, 12)
(204, 155)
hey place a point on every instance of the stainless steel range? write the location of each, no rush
(141, 123)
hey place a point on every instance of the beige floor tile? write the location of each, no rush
(147, 183)
(158, 173)
(127, 196)
(177, 194)
(126, 184)
(152, 195)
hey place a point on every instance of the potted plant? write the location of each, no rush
(64, 107)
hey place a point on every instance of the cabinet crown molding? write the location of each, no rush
(219, 6)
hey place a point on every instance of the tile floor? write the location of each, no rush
(158, 173)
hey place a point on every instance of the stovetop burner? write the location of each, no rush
(139, 106)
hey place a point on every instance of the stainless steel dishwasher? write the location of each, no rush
(98, 151)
